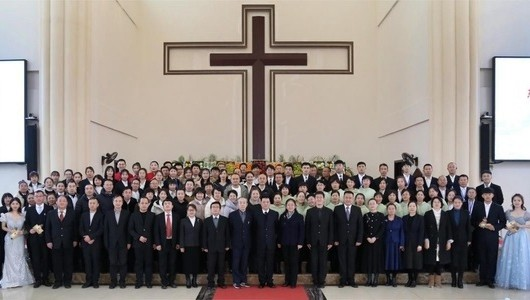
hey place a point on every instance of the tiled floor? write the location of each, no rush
(331, 292)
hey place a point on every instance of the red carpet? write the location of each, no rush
(254, 292)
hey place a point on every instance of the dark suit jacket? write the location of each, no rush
(82, 184)
(131, 206)
(319, 231)
(105, 202)
(216, 239)
(311, 183)
(32, 219)
(348, 232)
(190, 236)
(465, 206)
(414, 234)
(138, 228)
(462, 231)
(452, 184)
(293, 188)
(240, 232)
(61, 234)
(343, 182)
(434, 183)
(160, 229)
(291, 230)
(358, 183)
(459, 192)
(496, 217)
(115, 235)
(498, 197)
(94, 230)
(266, 229)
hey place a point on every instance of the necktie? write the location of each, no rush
(348, 213)
(340, 177)
(169, 228)
(215, 221)
(319, 213)
(61, 216)
(305, 178)
(242, 216)
(470, 207)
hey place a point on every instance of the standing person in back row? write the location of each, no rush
(216, 241)
(348, 237)
(117, 241)
(266, 225)
(141, 227)
(240, 222)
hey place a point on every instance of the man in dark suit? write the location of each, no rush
(462, 186)
(117, 241)
(61, 237)
(278, 182)
(167, 242)
(428, 179)
(488, 219)
(361, 172)
(452, 178)
(266, 225)
(240, 223)
(289, 179)
(339, 174)
(39, 254)
(91, 232)
(82, 204)
(216, 241)
(309, 180)
(89, 179)
(141, 226)
(319, 238)
(383, 174)
(470, 205)
(129, 203)
(348, 236)
(498, 197)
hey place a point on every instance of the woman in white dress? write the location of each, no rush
(16, 270)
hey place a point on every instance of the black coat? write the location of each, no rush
(138, 227)
(94, 230)
(311, 183)
(319, 231)
(414, 237)
(498, 197)
(348, 231)
(240, 232)
(496, 217)
(160, 229)
(462, 234)
(61, 234)
(115, 235)
(216, 239)
(32, 219)
(266, 229)
(291, 230)
(437, 235)
(190, 236)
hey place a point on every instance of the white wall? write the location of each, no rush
(504, 30)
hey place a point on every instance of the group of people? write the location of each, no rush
(190, 220)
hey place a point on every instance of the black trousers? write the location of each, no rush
(216, 262)
(91, 256)
(143, 263)
(347, 254)
(39, 255)
(118, 263)
(488, 249)
(291, 258)
(319, 263)
(265, 259)
(240, 264)
(167, 259)
(63, 265)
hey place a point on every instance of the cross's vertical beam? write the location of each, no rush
(258, 89)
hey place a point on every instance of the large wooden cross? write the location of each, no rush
(258, 59)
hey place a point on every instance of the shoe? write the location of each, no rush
(354, 285)
(36, 285)
(369, 279)
(174, 286)
(96, 285)
(87, 284)
(67, 286)
(56, 286)
(112, 285)
(188, 282)
(453, 280)
(491, 285)
(236, 286)
(287, 284)
(431, 281)
(47, 283)
(409, 281)
(137, 286)
(194, 281)
(293, 286)
(375, 280)
(261, 286)
(149, 286)
(438, 281)
(163, 286)
(244, 284)
(271, 285)
(480, 283)
(388, 280)
(122, 285)
(341, 285)
(221, 286)
(322, 286)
